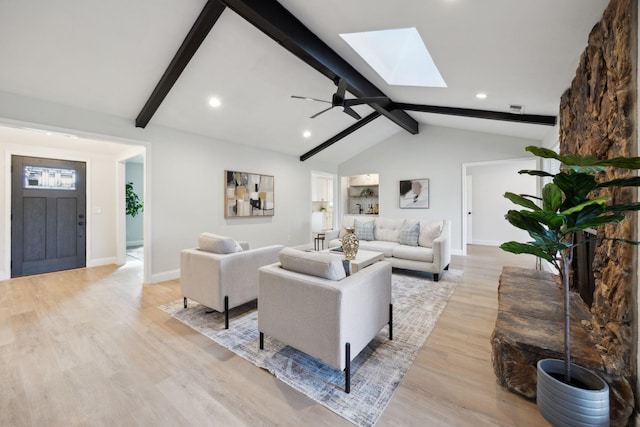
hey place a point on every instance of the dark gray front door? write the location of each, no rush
(48, 215)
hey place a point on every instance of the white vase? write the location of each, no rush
(566, 405)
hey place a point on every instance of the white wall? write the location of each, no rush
(437, 153)
(490, 182)
(184, 184)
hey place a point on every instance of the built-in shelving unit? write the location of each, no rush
(362, 194)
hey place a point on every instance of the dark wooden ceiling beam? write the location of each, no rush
(275, 21)
(479, 114)
(348, 131)
(199, 31)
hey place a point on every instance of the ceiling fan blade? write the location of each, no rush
(366, 100)
(306, 98)
(350, 111)
(323, 111)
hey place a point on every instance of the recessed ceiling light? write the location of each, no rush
(481, 95)
(215, 102)
(306, 134)
(399, 56)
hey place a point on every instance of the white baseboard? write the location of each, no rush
(164, 276)
(4, 275)
(487, 242)
(101, 261)
(133, 243)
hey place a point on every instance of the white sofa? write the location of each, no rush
(306, 301)
(221, 273)
(428, 251)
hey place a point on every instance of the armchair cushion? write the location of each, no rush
(210, 242)
(316, 264)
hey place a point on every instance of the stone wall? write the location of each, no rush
(597, 116)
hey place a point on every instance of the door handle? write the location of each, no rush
(81, 223)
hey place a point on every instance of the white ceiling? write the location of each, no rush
(107, 56)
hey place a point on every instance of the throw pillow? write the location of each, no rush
(210, 242)
(364, 230)
(428, 232)
(317, 264)
(409, 234)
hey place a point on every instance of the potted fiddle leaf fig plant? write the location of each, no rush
(134, 204)
(568, 206)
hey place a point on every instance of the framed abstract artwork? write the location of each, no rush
(247, 194)
(414, 194)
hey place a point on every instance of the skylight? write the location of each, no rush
(399, 56)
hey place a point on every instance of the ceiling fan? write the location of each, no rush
(337, 100)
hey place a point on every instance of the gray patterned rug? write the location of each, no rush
(376, 372)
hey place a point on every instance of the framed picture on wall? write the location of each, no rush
(247, 194)
(414, 194)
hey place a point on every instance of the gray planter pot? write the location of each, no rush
(567, 405)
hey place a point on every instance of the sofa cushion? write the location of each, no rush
(429, 230)
(316, 264)
(409, 234)
(388, 229)
(413, 253)
(210, 242)
(364, 229)
(379, 246)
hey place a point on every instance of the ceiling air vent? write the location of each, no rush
(516, 109)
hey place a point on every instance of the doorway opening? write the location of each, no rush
(322, 204)
(484, 205)
(134, 195)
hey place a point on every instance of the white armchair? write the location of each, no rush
(306, 301)
(220, 274)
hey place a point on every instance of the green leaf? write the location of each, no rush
(575, 186)
(577, 208)
(623, 208)
(551, 197)
(551, 219)
(526, 248)
(535, 172)
(521, 200)
(578, 160)
(633, 181)
(595, 222)
(523, 222)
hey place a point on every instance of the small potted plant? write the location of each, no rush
(568, 206)
(366, 193)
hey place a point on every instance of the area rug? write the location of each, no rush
(376, 372)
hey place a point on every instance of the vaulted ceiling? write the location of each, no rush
(108, 56)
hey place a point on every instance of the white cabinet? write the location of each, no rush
(321, 189)
(321, 221)
(367, 179)
(327, 220)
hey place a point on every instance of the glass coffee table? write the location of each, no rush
(363, 258)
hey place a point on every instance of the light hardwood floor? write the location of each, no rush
(90, 347)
